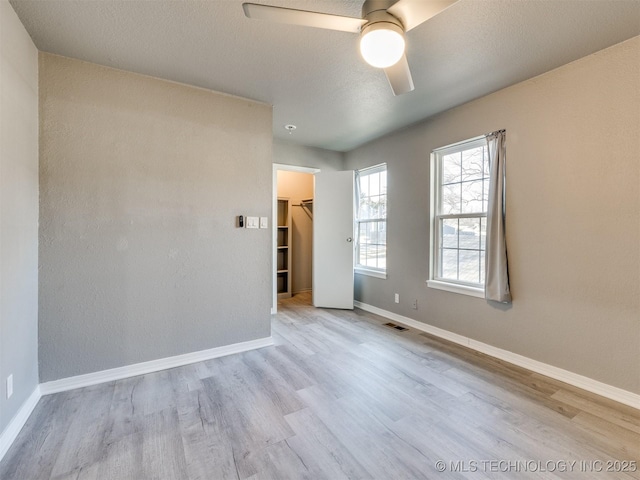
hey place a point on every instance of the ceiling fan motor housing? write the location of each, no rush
(375, 11)
(374, 5)
(377, 17)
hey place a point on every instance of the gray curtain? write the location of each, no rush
(496, 286)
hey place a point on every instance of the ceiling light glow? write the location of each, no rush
(382, 44)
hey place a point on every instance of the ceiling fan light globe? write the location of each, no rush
(382, 44)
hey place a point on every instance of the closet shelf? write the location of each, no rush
(283, 260)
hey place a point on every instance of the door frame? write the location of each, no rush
(274, 220)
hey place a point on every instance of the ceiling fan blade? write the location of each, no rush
(399, 77)
(303, 17)
(414, 12)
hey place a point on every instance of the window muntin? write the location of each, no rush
(461, 189)
(371, 221)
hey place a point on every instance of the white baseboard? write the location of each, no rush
(10, 433)
(580, 381)
(136, 369)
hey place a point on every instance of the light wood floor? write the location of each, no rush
(339, 396)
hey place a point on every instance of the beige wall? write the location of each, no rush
(298, 186)
(18, 213)
(573, 218)
(141, 182)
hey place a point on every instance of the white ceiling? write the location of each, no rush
(316, 78)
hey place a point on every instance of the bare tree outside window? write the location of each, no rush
(462, 189)
(372, 218)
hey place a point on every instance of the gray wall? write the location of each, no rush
(573, 218)
(141, 181)
(18, 213)
(312, 157)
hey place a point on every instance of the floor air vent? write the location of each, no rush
(397, 327)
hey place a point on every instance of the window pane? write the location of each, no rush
(485, 194)
(374, 236)
(362, 242)
(369, 209)
(362, 233)
(370, 261)
(372, 253)
(378, 206)
(372, 206)
(449, 264)
(469, 233)
(365, 208)
(372, 248)
(483, 233)
(374, 184)
(450, 199)
(364, 185)
(362, 210)
(472, 164)
(367, 244)
(382, 256)
(472, 197)
(481, 268)
(362, 258)
(379, 232)
(449, 232)
(382, 209)
(451, 171)
(470, 266)
(485, 153)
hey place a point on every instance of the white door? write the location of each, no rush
(333, 240)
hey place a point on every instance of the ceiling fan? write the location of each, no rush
(382, 30)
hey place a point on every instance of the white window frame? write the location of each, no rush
(454, 286)
(364, 269)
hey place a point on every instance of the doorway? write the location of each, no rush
(292, 259)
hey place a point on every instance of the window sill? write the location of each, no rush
(370, 273)
(455, 288)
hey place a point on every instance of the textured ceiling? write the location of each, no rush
(316, 78)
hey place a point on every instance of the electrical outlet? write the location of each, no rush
(9, 386)
(397, 297)
(414, 305)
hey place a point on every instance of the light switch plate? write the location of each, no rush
(264, 222)
(252, 222)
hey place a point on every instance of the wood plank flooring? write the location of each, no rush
(339, 396)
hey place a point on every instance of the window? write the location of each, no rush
(371, 221)
(460, 191)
